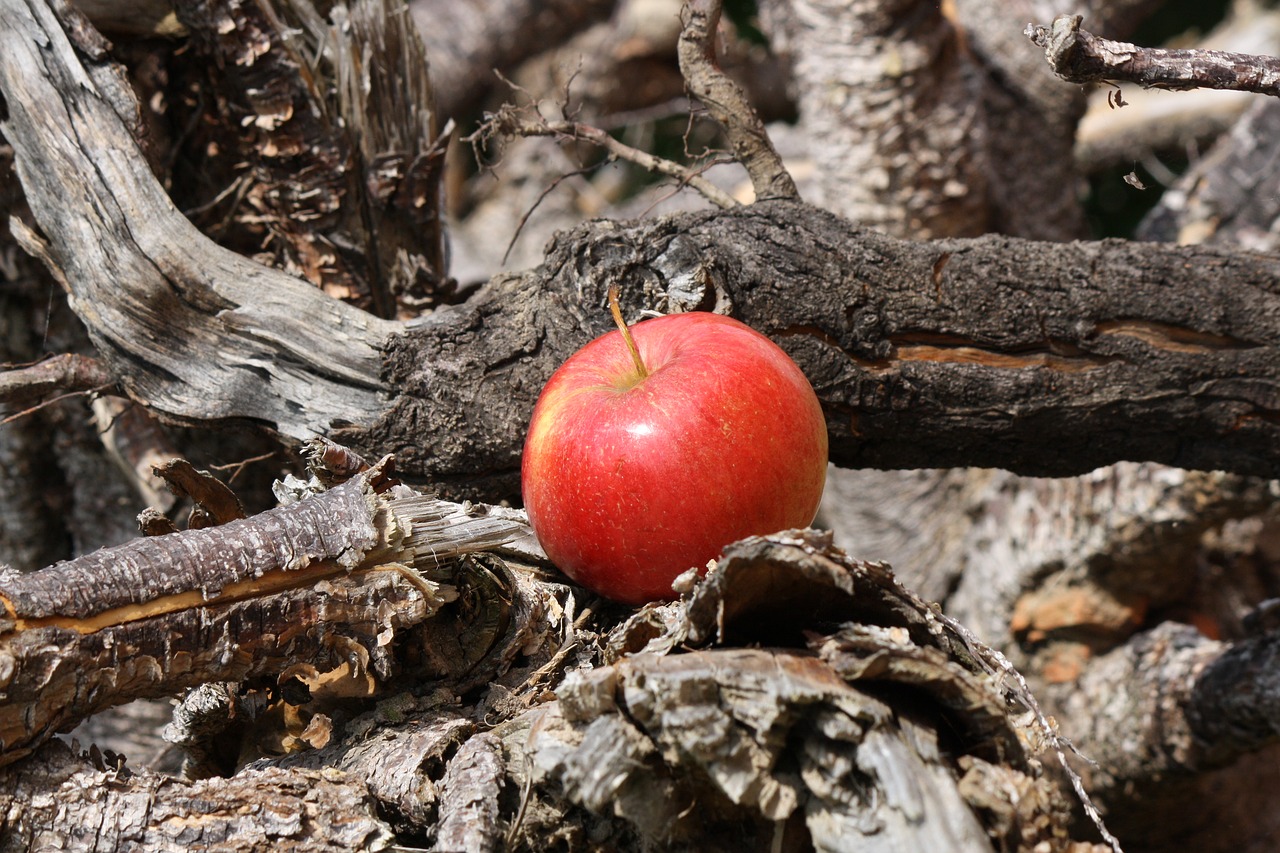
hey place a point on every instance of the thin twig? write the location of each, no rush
(550, 188)
(1078, 56)
(728, 104)
(67, 373)
(515, 122)
(49, 402)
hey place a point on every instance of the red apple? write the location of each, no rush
(631, 479)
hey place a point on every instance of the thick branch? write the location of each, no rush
(1042, 358)
(1160, 712)
(47, 804)
(324, 581)
(1078, 56)
(181, 321)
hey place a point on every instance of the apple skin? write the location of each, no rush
(630, 481)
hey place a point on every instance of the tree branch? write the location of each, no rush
(1043, 358)
(316, 810)
(60, 374)
(728, 104)
(512, 121)
(1078, 56)
(324, 581)
(181, 321)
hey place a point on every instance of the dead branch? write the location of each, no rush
(1040, 358)
(331, 168)
(728, 104)
(299, 810)
(205, 314)
(1078, 56)
(513, 121)
(336, 574)
(61, 374)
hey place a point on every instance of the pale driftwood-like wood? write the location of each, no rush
(1039, 358)
(866, 720)
(778, 748)
(180, 317)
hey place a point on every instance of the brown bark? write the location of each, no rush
(1012, 336)
(326, 580)
(868, 718)
(1028, 356)
(105, 808)
(310, 157)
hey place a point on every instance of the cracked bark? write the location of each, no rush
(323, 581)
(907, 332)
(1040, 358)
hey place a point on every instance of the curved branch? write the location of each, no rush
(196, 331)
(1042, 358)
(728, 104)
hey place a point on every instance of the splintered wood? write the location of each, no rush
(328, 581)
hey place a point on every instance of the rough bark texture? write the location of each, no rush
(105, 808)
(1040, 358)
(332, 173)
(861, 85)
(330, 579)
(1045, 359)
(198, 317)
(1081, 57)
(867, 718)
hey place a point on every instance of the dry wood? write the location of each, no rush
(202, 318)
(1040, 358)
(60, 374)
(331, 166)
(105, 808)
(328, 580)
(728, 104)
(1079, 56)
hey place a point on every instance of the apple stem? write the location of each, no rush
(626, 332)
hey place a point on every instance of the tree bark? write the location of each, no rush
(1039, 358)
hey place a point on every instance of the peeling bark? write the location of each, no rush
(328, 580)
(101, 808)
(1040, 358)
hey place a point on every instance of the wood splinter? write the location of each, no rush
(322, 581)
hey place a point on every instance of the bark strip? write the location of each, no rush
(326, 581)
